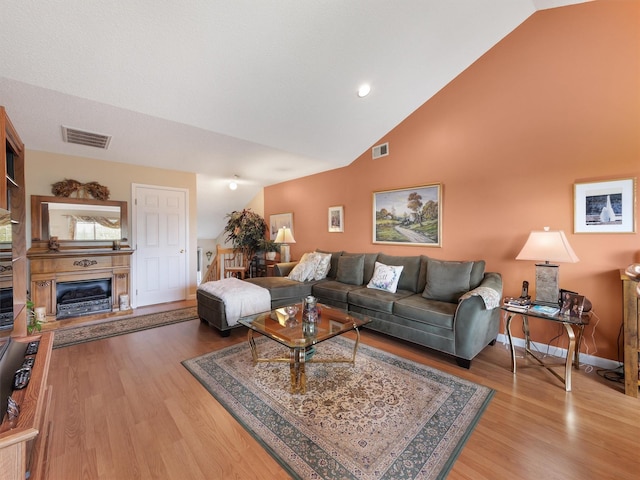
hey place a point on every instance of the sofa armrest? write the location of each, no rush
(489, 290)
(474, 325)
(283, 269)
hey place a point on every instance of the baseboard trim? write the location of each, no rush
(561, 353)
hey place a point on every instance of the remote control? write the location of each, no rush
(32, 348)
(21, 378)
(28, 362)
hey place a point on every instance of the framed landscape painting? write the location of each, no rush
(279, 220)
(605, 207)
(408, 216)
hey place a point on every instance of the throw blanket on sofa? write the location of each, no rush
(240, 298)
(490, 297)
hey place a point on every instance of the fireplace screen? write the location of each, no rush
(75, 299)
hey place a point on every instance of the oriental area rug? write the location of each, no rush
(65, 337)
(383, 418)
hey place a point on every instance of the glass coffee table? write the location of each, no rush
(301, 337)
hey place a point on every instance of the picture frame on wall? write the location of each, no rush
(605, 207)
(408, 216)
(336, 219)
(278, 221)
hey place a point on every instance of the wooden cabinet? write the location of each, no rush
(631, 341)
(12, 200)
(23, 441)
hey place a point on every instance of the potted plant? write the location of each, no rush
(33, 323)
(270, 248)
(245, 230)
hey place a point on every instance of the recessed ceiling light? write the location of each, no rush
(234, 184)
(364, 90)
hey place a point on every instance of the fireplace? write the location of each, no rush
(6, 307)
(78, 298)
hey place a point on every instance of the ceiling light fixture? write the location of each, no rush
(233, 185)
(364, 90)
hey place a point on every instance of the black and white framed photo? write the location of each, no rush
(605, 207)
(336, 219)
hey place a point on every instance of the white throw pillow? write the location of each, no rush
(385, 277)
(323, 266)
(305, 269)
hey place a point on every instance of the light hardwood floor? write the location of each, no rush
(125, 408)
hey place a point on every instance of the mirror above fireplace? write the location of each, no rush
(82, 222)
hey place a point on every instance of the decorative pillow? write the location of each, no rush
(477, 274)
(305, 269)
(385, 277)
(323, 265)
(351, 269)
(447, 281)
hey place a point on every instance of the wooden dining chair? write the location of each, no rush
(236, 264)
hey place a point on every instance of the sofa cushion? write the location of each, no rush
(431, 312)
(333, 292)
(477, 274)
(374, 299)
(350, 269)
(333, 270)
(385, 277)
(446, 280)
(282, 288)
(410, 273)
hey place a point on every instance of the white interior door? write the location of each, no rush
(161, 244)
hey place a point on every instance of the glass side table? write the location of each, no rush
(572, 326)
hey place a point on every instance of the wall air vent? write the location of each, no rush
(381, 150)
(83, 137)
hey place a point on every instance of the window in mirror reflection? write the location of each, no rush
(88, 222)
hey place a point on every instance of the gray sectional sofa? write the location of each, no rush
(452, 307)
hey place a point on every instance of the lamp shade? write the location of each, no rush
(285, 236)
(548, 246)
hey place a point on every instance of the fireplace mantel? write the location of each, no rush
(48, 268)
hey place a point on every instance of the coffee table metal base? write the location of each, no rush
(297, 360)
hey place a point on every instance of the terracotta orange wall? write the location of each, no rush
(555, 103)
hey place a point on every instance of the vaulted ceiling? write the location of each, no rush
(261, 89)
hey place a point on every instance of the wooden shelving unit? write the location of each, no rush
(12, 198)
(631, 341)
(23, 441)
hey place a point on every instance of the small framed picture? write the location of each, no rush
(605, 207)
(336, 219)
(278, 221)
(572, 304)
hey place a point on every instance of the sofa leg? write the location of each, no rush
(463, 362)
(492, 342)
(225, 333)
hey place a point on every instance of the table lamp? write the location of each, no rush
(548, 246)
(284, 238)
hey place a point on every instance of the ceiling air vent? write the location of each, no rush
(381, 150)
(83, 137)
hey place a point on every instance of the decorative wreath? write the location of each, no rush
(69, 187)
